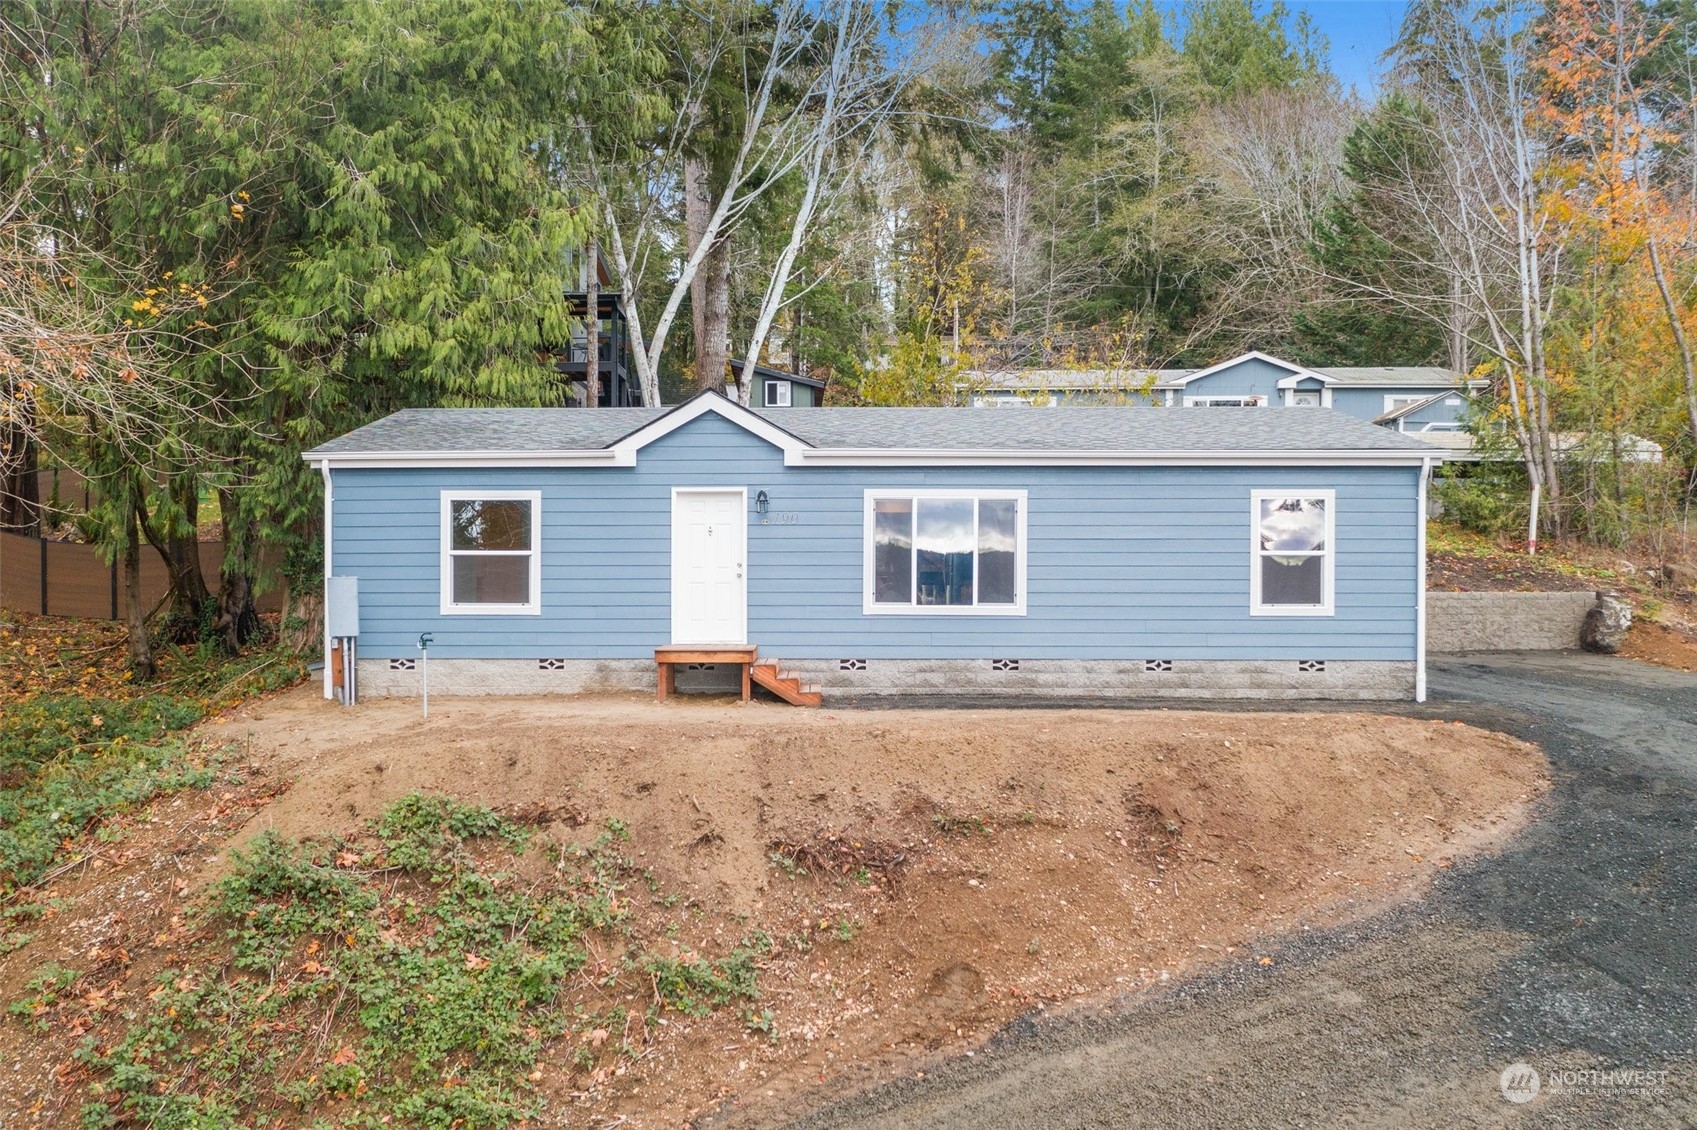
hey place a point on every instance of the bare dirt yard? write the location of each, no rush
(922, 876)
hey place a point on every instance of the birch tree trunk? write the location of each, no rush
(1687, 369)
(709, 289)
(592, 329)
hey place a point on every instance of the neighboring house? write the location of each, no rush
(1254, 380)
(617, 382)
(775, 388)
(1079, 553)
(1426, 415)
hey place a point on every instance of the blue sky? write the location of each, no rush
(1359, 31)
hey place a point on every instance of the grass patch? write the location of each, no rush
(696, 987)
(405, 978)
(69, 763)
(71, 760)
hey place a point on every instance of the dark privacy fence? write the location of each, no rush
(61, 578)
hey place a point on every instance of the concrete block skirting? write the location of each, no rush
(1117, 678)
(378, 678)
(1505, 621)
(1027, 678)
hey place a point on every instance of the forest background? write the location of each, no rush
(231, 229)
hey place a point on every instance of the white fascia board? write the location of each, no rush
(389, 460)
(1414, 386)
(880, 457)
(1297, 378)
(1296, 371)
(696, 407)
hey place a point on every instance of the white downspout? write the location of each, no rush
(324, 469)
(1420, 588)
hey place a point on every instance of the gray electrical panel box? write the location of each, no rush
(341, 603)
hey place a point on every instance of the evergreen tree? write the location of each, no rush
(1236, 52)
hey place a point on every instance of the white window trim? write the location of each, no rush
(534, 606)
(869, 565)
(1330, 557)
(782, 400)
(1246, 399)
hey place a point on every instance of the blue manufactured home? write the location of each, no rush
(1078, 552)
(1252, 380)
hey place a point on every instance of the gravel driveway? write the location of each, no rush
(1575, 952)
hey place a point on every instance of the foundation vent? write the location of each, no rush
(550, 664)
(851, 664)
(1004, 665)
(403, 664)
(1158, 666)
(1311, 666)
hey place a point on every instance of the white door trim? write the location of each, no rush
(742, 497)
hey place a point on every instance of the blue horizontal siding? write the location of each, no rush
(1369, 403)
(1123, 563)
(1253, 377)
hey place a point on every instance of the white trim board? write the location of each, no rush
(914, 457)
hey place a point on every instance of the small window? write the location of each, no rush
(491, 552)
(1291, 558)
(1224, 401)
(949, 552)
(1393, 401)
(777, 394)
(1304, 399)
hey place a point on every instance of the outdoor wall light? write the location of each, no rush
(761, 501)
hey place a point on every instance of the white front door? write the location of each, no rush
(709, 550)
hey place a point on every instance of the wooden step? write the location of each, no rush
(785, 685)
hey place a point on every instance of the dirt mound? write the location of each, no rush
(1661, 644)
(925, 876)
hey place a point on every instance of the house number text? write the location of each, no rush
(781, 518)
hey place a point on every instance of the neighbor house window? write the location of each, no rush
(945, 551)
(491, 552)
(777, 394)
(1224, 401)
(1291, 555)
(1394, 400)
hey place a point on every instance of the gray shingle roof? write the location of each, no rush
(1089, 429)
(1109, 380)
(1192, 430)
(1408, 376)
(492, 429)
